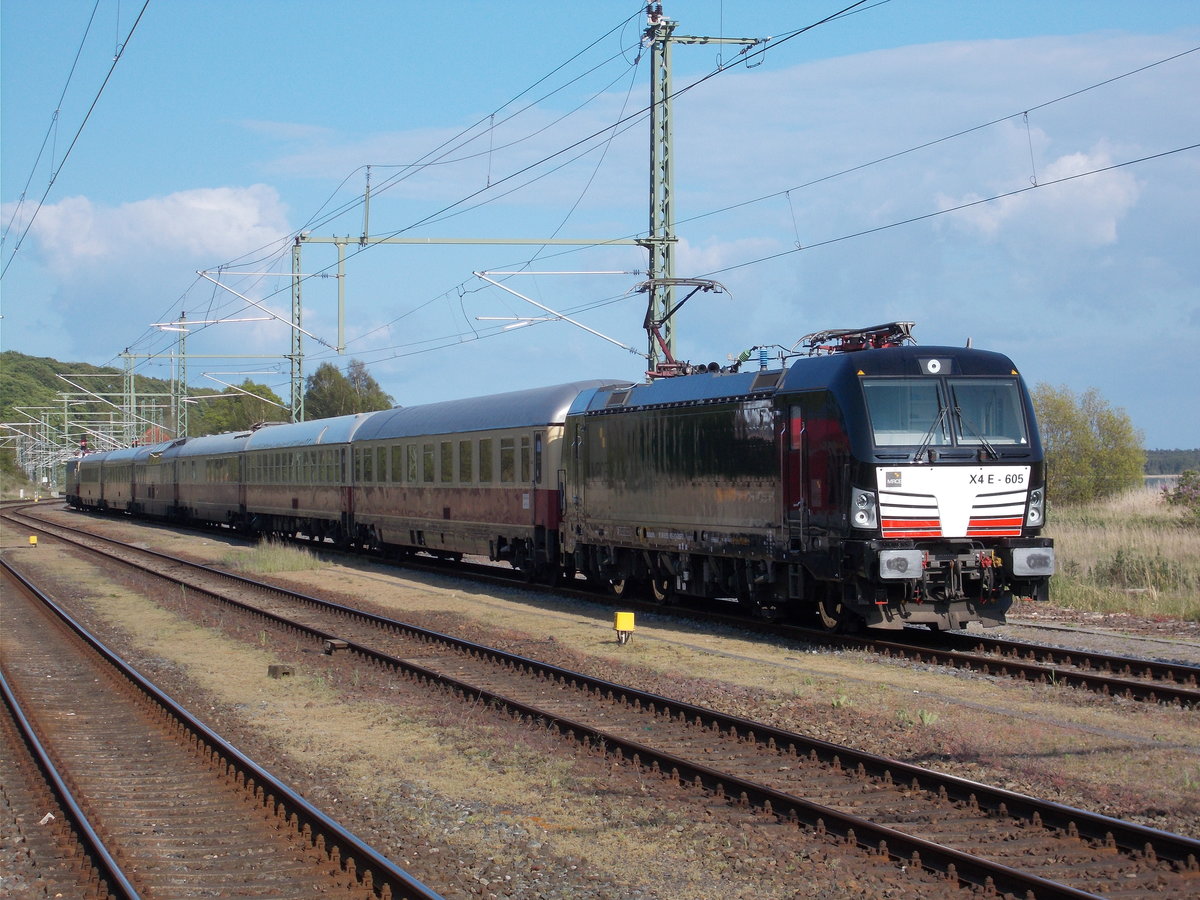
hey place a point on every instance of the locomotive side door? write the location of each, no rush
(792, 449)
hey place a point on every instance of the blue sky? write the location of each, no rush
(226, 127)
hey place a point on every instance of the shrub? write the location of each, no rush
(1186, 494)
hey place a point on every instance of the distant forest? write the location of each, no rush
(1171, 462)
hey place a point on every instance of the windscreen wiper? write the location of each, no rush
(963, 420)
(925, 441)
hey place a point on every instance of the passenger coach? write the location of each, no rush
(479, 476)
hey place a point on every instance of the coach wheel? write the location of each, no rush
(621, 587)
(545, 574)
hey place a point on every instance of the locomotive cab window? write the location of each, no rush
(906, 411)
(988, 411)
(937, 412)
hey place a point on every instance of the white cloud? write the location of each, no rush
(1083, 212)
(205, 224)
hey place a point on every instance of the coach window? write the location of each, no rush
(526, 459)
(397, 453)
(447, 469)
(507, 461)
(410, 463)
(537, 458)
(381, 461)
(485, 460)
(427, 463)
(465, 451)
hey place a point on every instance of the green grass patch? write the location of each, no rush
(271, 557)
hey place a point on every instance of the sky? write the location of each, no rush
(1020, 175)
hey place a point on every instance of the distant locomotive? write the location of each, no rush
(871, 482)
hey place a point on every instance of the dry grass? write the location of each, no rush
(270, 557)
(1131, 554)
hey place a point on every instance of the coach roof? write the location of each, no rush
(517, 409)
(337, 430)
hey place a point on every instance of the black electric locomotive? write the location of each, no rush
(874, 482)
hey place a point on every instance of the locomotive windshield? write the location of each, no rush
(940, 412)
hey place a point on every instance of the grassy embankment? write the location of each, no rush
(1132, 554)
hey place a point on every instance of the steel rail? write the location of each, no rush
(111, 877)
(370, 867)
(1153, 692)
(1181, 673)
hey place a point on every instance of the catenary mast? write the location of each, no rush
(659, 36)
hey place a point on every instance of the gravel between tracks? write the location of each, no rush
(501, 810)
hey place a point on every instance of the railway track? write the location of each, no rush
(1118, 676)
(967, 831)
(1127, 677)
(156, 804)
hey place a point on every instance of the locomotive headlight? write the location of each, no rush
(900, 563)
(863, 511)
(1033, 562)
(1036, 513)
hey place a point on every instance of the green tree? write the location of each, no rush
(327, 392)
(1092, 450)
(235, 409)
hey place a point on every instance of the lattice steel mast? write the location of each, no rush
(659, 36)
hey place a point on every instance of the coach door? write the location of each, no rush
(570, 477)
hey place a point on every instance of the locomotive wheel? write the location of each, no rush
(661, 589)
(835, 617)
